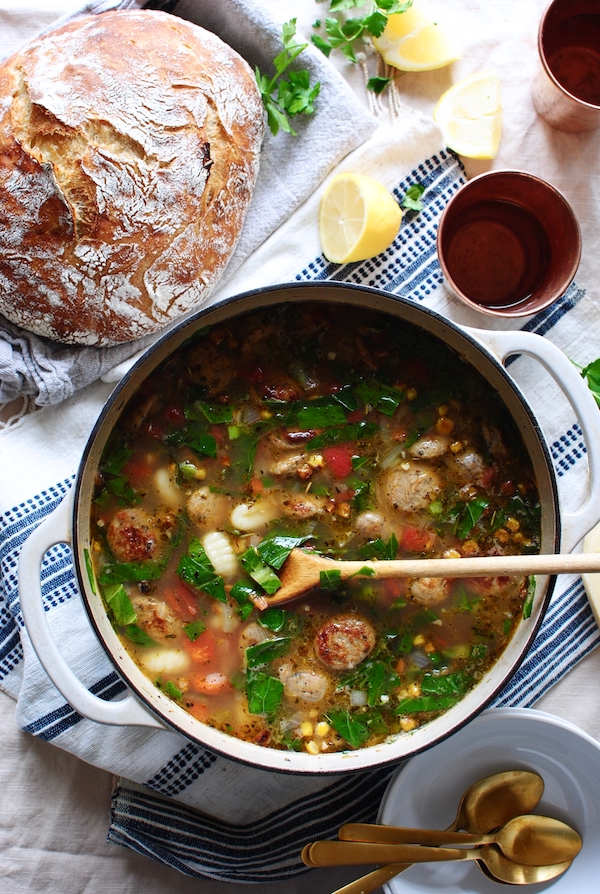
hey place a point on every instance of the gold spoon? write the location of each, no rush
(532, 839)
(486, 805)
(352, 853)
(302, 569)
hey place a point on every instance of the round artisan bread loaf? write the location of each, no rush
(129, 149)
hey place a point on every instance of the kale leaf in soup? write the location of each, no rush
(327, 428)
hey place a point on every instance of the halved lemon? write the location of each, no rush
(470, 115)
(358, 218)
(415, 41)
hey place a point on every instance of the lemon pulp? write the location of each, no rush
(358, 218)
(415, 41)
(470, 115)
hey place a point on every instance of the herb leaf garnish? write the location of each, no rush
(282, 98)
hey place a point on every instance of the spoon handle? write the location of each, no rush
(476, 566)
(402, 835)
(355, 853)
(368, 883)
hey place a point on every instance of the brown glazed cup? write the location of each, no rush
(508, 243)
(566, 88)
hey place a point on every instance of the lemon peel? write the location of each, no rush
(415, 41)
(358, 218)
(470, 115)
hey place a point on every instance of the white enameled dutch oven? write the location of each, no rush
(145, 705)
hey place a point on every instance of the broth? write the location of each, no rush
(335, 429)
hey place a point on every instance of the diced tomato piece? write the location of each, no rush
(417, 540)
(182, 601)
(203, 649)
(136, 470)
(395, 588)
(174, 415)
(256, 485)
(339, 459)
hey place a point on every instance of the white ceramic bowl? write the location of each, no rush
(426, 791)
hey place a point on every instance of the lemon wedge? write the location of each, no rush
(415, 41)
(358, 218)
(470, 115)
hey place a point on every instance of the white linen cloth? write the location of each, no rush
(502, 35)
(293, 808)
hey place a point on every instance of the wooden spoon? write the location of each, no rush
(302, 569)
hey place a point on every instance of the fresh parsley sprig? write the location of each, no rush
(285, 98)
(591, 373)
(342, 33)
(412, 200)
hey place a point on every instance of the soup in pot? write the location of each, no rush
(327, 428)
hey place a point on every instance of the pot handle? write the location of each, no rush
(575, 525)
(128, 711)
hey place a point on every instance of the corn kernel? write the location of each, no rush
(408, 723)
(456, 446)
(312, 747)
(470, 547)
(414, 690)
(265, 414)
(344, 510)
(322, 729)
(316, 461)
(451, 554)
(405, 467)
(518, 537)
(418, 640)
(502, 535)
(411, 393)
(306, 729)
(513, 524)
(443, 410)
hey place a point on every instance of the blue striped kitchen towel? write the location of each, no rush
(177, 802)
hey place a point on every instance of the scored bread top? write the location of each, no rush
(129, 150)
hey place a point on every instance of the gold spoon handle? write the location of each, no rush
(402, 835)
(373, 880)
(355, 853)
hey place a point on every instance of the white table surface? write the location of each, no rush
(54, 810)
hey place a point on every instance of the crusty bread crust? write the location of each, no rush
(129, 149)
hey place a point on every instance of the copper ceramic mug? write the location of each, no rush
(566, 88)
(508, 243)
